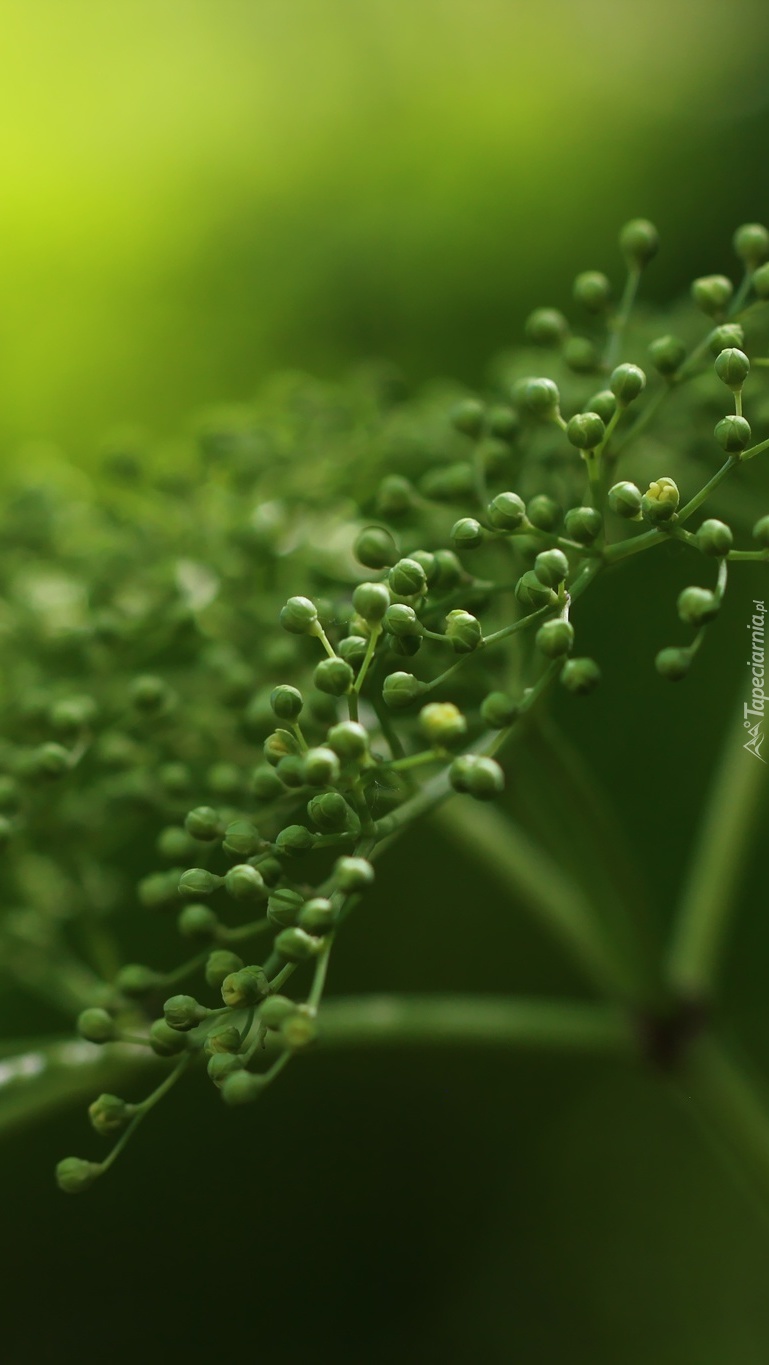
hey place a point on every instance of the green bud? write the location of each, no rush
(407, 578)
(242, 839)
(299, 616)
(467, 417)
(330, 812)
(673, 663)
(543, 512)
(109, 1114)
(463, 630)
(284, 905)
(583, 524)
(542, 398)
(286, 702)
(732, 367)
(204, 823)
(375, 548)
(448, 483)
(448, 569)
(371, 601)
(402, 621)
(136, 980)
(466, 534)
(712, 293)
(198, 921)
(580, 676)
(280, 744)
(477, 776)
(321, 767)
(506, 512)
(728, 334)
(498, 710)
(349, 741)
(697, 606)
(555, 638)
(733, 434)
(299, 1031)
(242, 1087)
(604, 404)
(244, 988)
(442, 723)
(290, 770)
(593, 291)
(426, 561)
(149, 694)
(353, 650)
(334, 677)
(49, 761)
(751, 244)
(639, 242)
(627, 382)
(761, 281)
(245, 883)
(405, 645)
(395, 496)
(503, 422)
(761, 532)
(73, 1175)
(660, 501)
(714, 538)
(667, 354)
(220, 963)
(532, 593)
(551, 567)
(275, 1010)
(401, 689)
(166, 1041)
(97, 1026)
(72, 715)
(198, 881)
(317, 916)
(222, 1065)
(175, 844)
(353, 874)
(9, 794)
(585, 430)
(625, 501)
(581, 355)
(296, 945)
(183, 1012)
(294, 840)
(546, 327)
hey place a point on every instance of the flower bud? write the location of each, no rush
(463, 630)
(627, 382)
(283, 906)
(9, 794)
(280, 744)
(353, 874)
(580, 676)
(371, 601)
(732, 367)
(402, 621)
(73, 1175)
(477, 776)
(543, 512)
(761, 532)
(109, 1114)
(136, 980)
(660, 501)
(712, 293)
(294, 840)
(498, 710)
(72, 715)
(290, 770)
(551, 567)
(221, 1065)
(204, 823)
(97, 1026)
(467, 417)
(625, 501)
(448, 569)
(317, 916)
(265, 783)
(401, 689)
(407, 578)
(761, 281)
(198, 881)
(667, 354)
(375, 548)
(296, 945)
(286, 702)
(542, 398)
(733, 434)
(349, 741)
(149, 694)
(333, 677)
(448, 483)
(714, 538)
(242, 839)
(466, 534)
(353, 649)
(442, 723)
(503, 422)
(593, 291)
(175, 844)
(299, 1031)
(49, 761)
(555, 638)
(697, 606)
(673, 663)
(166, 1041)
(583, 524)
(299, 616)
(585, 430)
(220, 963)
(639, 242)
(183, 1012)
(532, 593)
(546, 327)
(581, 355)
(506, 512)
(244, 988)
(242, 1087)
(275, 1010)
(604, 404)
(395, 496)
(330, 812)
(728, 334)
(245, 883)
(198, 921)
(751, 244)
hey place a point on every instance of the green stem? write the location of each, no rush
(708, 488)
(709, 892)
(620, 320)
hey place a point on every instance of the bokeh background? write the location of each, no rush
(193, 194)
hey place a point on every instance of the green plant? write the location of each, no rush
(322, 620)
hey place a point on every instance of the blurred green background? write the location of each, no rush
(192, 195)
